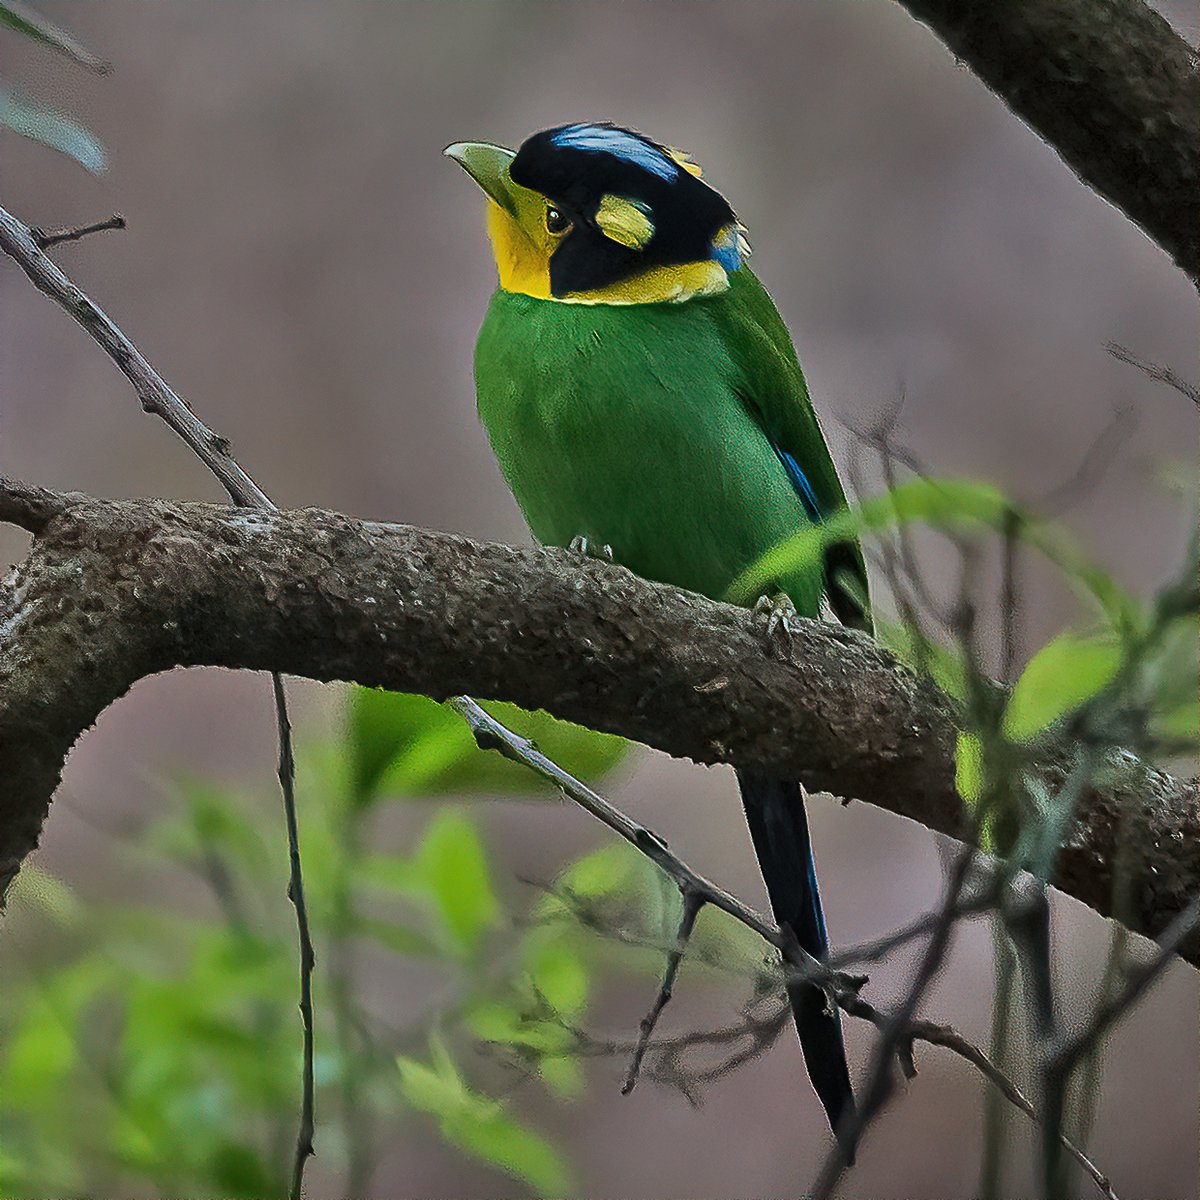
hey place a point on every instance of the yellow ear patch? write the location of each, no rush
(685, 161)
(626, 222)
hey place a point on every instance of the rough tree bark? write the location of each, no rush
(114, 591)
(1109, 85)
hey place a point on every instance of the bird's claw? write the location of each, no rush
(580, 544)
(779, 611)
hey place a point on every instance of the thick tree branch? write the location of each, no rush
(113, 591)
(1109, 85)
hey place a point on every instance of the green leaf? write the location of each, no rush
(1171, 673)
(28, 21)
(610, 869)
(425, 1089)
(240, 1173)
(1060, 677)
(558, 974)
(381, 728)
(404, 745)
(581, 752)
(479, 1124)
(969, 780)
(1180, 723)
(620, 887)
(52, 129)
(455, 867)
(946, 504)
(42, 1047)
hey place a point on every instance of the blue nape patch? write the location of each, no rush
(800, 482)
(620, 143)
(729, 258)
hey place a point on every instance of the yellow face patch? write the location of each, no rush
(626, 222)
(522, 242)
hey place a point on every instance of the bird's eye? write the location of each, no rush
(556, 221)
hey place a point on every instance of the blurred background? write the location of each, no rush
(308, 271)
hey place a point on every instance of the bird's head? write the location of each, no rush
(593, 213)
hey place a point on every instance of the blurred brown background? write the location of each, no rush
(305, 268)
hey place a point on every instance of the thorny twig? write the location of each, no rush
(26, 247)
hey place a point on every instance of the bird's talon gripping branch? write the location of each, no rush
(779, 610)
(582, 545)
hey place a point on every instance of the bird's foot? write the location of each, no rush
(778, 611)
(580, 544)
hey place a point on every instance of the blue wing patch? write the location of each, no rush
(800, 482)
(620, 143)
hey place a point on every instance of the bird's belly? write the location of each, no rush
(661, 462)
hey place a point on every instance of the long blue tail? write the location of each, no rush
(779, 828)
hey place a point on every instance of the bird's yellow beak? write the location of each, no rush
(488, 166)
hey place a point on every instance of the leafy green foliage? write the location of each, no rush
(159, 1046)
(37, 121)
(944, 665)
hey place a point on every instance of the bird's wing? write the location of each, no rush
(772, 387)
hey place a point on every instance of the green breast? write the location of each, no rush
(625, 424)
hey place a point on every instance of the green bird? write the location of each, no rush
(641, 393)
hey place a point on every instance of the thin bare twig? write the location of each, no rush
(692, 904)
(1096, 458)
(45, 238)
(26, 248)
(490, 734)
(295, 891)
(156, 395)
(1155, 371)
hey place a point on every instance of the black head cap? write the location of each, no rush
(577, 166)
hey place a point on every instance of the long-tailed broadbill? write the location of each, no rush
(641, 392)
